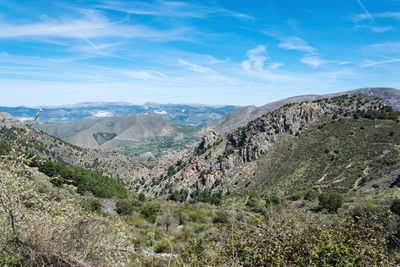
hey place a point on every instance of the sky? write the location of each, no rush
(241, 52)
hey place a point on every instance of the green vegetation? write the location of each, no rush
(395, 206)
(330, 201)
(386, 113)
(332, 156)
(311, 195)
(295, 240)
(125, 206)
(91, 204)
(72, 216)
(85, 180)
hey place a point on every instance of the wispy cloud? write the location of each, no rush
(176, 9)
(91, 25)
(371, 16)
(255, 59)
(195, 67)
(313, 61)
(373, 63)
(296, 43)
(375, 29)
(146, 75)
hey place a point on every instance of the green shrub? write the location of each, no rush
(85, 180)
(330, 201)
(4, 148)
(162, 246)
(311, 195)
(256, 204)
(221, 217)
(150, 211)
(395, 206)
(91, 204)
(125, 207)
(142, 197)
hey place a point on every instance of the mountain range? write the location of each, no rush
(190, 115)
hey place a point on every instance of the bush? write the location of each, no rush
(142, 197)
(162, 246)
(125, 207)
(311, 195)
(395, 206)
(221, 217)
(84, 179)
(150, 211)
(330, 201)
(256, 204)
(91, 204)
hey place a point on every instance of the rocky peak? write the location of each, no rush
(209, 138)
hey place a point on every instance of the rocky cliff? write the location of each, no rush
(211, 164)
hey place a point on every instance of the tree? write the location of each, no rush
(167, 220)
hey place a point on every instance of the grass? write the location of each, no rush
(331, 156)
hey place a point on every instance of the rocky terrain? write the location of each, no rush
(243, 115)
(321, 175)
(215, 162)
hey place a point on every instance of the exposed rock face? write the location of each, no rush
(212, 162)
(208, 140)
(241, 116)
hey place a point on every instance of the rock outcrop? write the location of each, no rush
(211, 164)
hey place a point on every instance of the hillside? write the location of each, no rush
(133, 135)
(284, 151)
(114, 164)
(316, 183)
(243, 115)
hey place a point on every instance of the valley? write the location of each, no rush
(316, 170)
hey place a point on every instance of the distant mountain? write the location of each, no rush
(239, 117)
(133, 134)
(191, 115)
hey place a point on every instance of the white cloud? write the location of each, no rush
(313, 61)
(383, 15)
(195, 67)
(178, 9)
(373, 63)
(375, 29)
(91, 25)
(145, 74)
(275, 65)
(255, 59)
(296, 43)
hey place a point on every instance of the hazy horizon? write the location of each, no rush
(94, 102)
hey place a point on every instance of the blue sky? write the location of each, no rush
(211, 52)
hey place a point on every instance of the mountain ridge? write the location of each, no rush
(243, 115)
